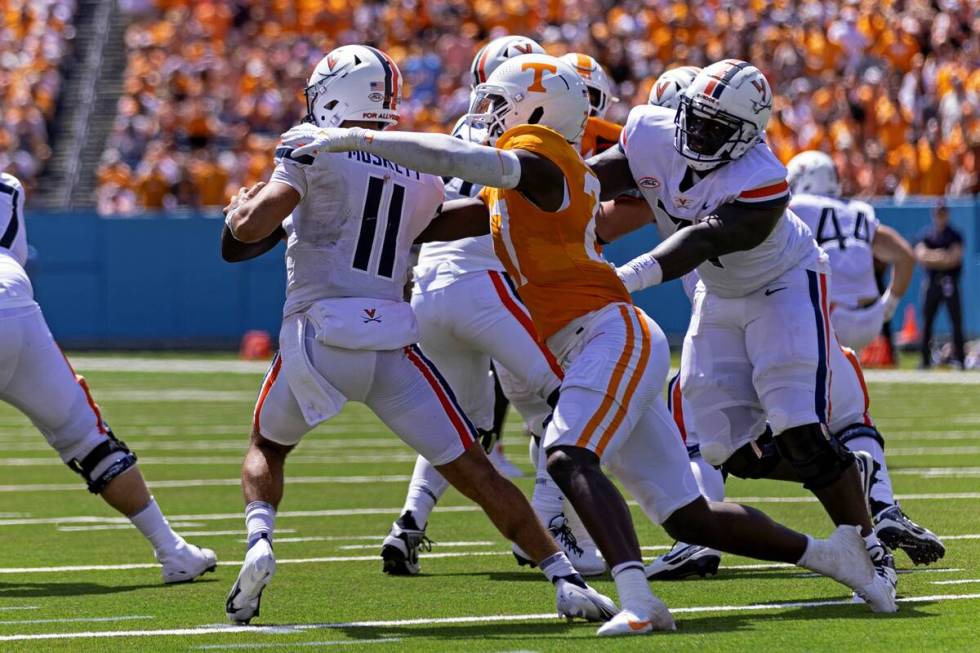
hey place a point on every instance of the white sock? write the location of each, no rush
(559, 566)
(426, 488)
(710, 480)
(260, 519)
(547, 498)
(634, 590)
(881, 490)
(870, 540)
(155, 528)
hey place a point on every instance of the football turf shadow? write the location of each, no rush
(29, 589)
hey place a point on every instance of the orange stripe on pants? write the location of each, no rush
(618, 371)
(630, 387)
(270, 379)
(853, 360)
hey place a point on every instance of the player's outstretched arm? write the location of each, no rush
(733, 228)
(890, 247)
(613, 171)
(622, 216)
(462, 218)
(436, 154)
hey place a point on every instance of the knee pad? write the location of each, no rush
(854, 431)
(756, 459)
(818, 458)
(106, 461)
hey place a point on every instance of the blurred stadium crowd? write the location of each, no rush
(890, 87)
(34, 35)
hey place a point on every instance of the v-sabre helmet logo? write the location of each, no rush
(370, 315)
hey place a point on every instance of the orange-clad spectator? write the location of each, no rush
(858, 78)
(152, 189)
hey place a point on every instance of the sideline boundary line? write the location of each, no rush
(298, 628)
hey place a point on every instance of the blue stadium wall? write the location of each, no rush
(159, 282)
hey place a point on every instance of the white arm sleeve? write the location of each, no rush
(443, 155)
(290, 173)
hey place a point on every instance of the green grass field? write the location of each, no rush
(76, 577)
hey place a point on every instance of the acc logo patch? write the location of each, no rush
(648, 182)
(376, 97)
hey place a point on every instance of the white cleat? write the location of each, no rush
(246, 594)
(582, 602)
(843, 557)
(186, 562)
(583, 554)
(628, 622)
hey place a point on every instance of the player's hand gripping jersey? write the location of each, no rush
(553, 257)
(673, 189)
(845, 230)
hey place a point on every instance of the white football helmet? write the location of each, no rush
(722, 114)
(813, 172)
(497, 51)
(535, 89)
(666, 91)
(354, 82)
(596, 80)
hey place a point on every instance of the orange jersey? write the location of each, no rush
(553, 257)
(599, 136)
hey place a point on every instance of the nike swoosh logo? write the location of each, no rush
(638, 625)
(772, 291)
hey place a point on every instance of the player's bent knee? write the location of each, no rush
(690, 523)
(859, 430)
(565, 462)
(756, 459)
(818, 459)
(103, 463)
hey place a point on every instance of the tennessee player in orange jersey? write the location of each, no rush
(540, 203)
(600, 134)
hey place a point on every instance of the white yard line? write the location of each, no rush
(547, 616)
(218, 482)
(354, 547)
(166, 365)
(281, 645)
(354, 512)
(389, 457)
(75, 620)
(930, 377)
(233, 563)
(960, 581)
(18, 607)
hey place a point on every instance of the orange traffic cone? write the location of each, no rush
(909, 335)
(878, 353)
(256, 345)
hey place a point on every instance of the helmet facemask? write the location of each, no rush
(489, 108)
(597, 101)
(708, 136)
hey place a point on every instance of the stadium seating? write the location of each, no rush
(888, 87)
(33, 39)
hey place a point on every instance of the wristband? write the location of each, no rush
(642, 272)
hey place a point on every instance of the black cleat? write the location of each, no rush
(400, 549)
(897, 531)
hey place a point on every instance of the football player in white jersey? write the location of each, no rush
(850, 233)
(347, 335)
(759, 347)
(37, 379)
(542, 203)
(470, 313)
